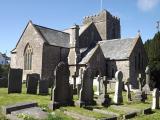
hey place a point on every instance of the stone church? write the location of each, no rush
(96, 43)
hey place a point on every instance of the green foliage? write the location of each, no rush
(152, 48)
(4, 70)
(25, 117)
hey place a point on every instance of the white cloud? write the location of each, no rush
(147, 5)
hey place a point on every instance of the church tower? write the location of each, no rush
(107, 25)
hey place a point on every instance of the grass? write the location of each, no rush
(43, 101)
(86, 112)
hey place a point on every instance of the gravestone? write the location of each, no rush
(155, 98)
(62, 95)
(98, 92)
(15, 80)
(118, 99)
(139, 79)
(32, 83)
(146, 87)
(128, 90)
(43, 87)
(86, 92)
(103, 99)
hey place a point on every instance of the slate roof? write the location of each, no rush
(89, 55)
(118, 49)
(54, 37)
(82, 28)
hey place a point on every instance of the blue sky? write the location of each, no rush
(60, 14)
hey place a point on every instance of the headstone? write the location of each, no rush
(118, 99)
(15, 80)
(155, 98)
(140, 96)
(62, 94)
(139, 79)
(98, 92)
(32, 83)
(86, 92)
(146, 88)
(128, 91)
(104, 99)
(43, 87)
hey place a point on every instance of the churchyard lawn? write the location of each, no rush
(64, 112)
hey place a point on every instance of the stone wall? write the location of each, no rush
(98, 63)
(32, 37)
(89, 37)
(107, 25)
(52, 55)
(136, 69)
(119, 65)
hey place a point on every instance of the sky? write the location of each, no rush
(135, 15)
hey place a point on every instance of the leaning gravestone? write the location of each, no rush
(15, 80)
(86, 92)
(118, 99)
(155, 99)
(43, 87)
(32, 83)
(61, 95)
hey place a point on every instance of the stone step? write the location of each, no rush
(18, 106)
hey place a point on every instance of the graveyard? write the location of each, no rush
(112, 103)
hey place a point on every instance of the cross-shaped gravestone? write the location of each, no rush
(118, 99)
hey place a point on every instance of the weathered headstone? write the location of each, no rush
(43, 87)
(32, 83)
(98, 92)
(146, 88)
(139, 79)
(86, 92)
(61, 95)
(103, 99)
(155, 98)
(15, 80)
(128, 90)
(118, 99)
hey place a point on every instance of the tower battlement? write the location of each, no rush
(107, 25)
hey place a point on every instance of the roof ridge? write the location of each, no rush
(50, 28)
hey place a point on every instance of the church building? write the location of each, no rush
(97, 43)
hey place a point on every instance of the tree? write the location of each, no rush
(152, 48)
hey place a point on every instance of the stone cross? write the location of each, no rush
(146, 88)
(155, 98)
(118, 99)
(147, 71)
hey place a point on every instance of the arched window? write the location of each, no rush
(28, 57)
